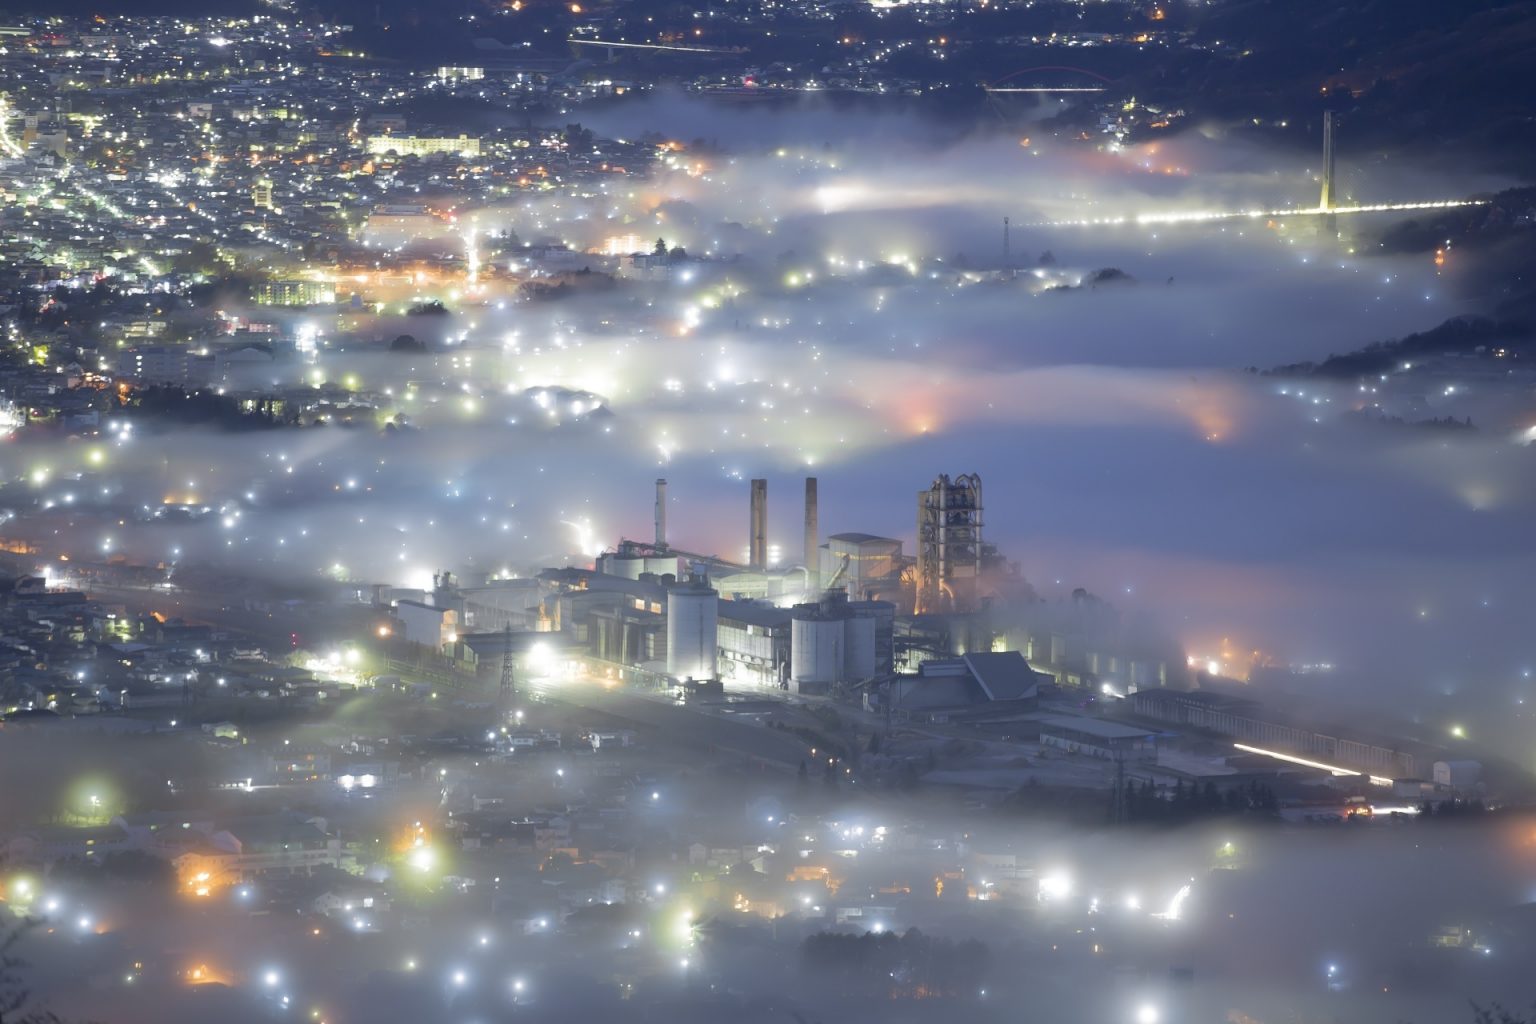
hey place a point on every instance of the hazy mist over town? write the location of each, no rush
(856, 510)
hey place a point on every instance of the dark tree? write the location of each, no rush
(16, 1006)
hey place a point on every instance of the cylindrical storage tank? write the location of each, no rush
(693, 623)
(659, 564)
(628, 566)
(859, 648)
(816, 652)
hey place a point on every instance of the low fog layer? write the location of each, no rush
(845, 325)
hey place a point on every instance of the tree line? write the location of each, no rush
(911, 965)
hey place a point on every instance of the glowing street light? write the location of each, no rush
(1056, 885)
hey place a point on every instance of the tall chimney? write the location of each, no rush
(812, 539)
(661, 513)
(757, 550)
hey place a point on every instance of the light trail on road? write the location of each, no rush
(1207, 216)
(1375, 780)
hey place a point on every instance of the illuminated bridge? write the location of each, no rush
(612, 45)
(1079, 80)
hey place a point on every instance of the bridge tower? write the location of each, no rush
(1328, 200)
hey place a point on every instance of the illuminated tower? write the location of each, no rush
(261, 194)
(1327, 202)
(949, 545)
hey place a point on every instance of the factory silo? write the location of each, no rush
(859, 660)
(632, 560)
(816, 652)
(693, 609)
(626, 562)
(818, 643)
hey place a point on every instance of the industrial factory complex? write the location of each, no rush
(950, 635)
(852, 616)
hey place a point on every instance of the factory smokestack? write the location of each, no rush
(812, 539)
(661, 513)
(757, 549)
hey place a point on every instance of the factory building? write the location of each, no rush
(968, 681)
(1081, 642)
(614, 618)
(1094, 737)
(499, 604)
(1247, 721)
(956, 571)
(754, 639)
(631, 611)
(492, 606)
(868, 567)
(685, 630)
(949, 524)
(423, 623)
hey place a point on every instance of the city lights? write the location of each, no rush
(433, 433)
